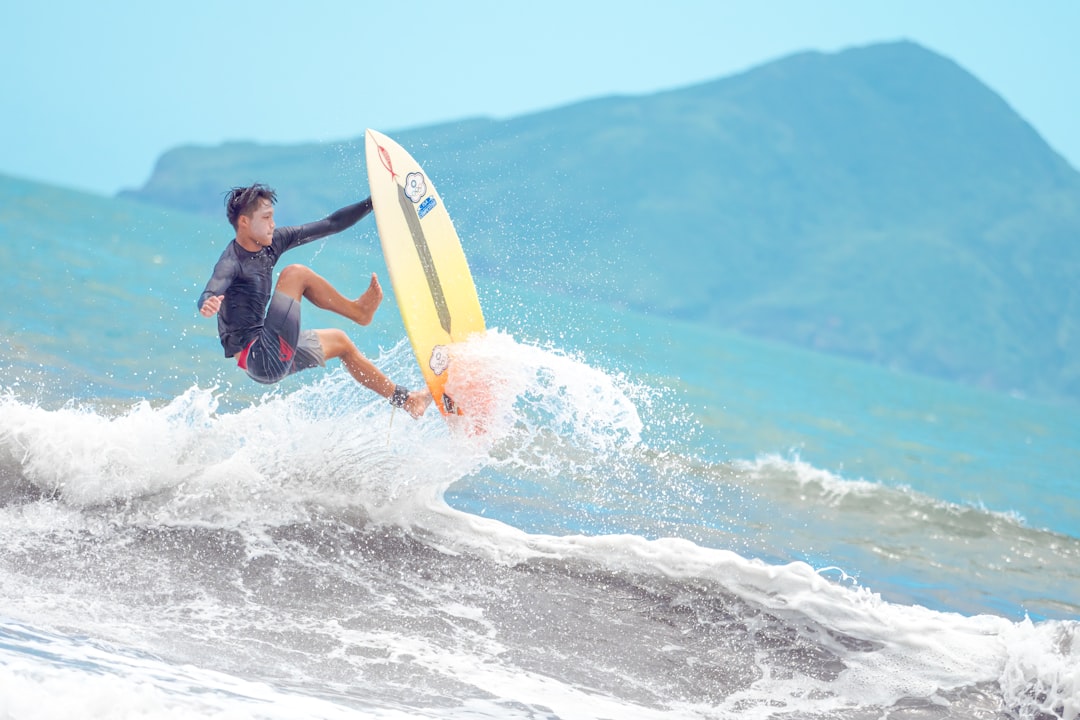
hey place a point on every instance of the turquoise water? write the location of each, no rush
(993, 477)
(663, 520)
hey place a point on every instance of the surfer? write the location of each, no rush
(273, 346)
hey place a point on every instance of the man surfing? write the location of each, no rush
(268, 342)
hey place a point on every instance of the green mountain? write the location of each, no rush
(879, 203)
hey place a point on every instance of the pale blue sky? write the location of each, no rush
(94, 92)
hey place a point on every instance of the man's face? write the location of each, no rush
(261, 225)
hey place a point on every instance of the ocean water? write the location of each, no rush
(657, 520)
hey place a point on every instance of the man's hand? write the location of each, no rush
(211, 306)
(417, 403)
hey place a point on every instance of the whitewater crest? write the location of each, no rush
(328, 441)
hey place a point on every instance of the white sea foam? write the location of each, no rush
(77, 472)
(45, 676)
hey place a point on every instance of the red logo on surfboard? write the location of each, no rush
(385, 158)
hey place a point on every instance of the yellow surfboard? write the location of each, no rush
(428, 270)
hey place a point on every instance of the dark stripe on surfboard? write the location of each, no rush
(426, 261)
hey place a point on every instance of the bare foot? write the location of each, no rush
(368, 303)
(417, 403)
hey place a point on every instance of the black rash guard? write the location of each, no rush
(246, 278)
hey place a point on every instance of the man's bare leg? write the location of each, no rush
(335, 343)
(300, 281)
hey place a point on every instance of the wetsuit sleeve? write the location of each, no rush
(220, 280)
(335, 222)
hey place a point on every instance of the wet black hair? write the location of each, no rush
(243, 200)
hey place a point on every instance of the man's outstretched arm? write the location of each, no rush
(335, 222)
